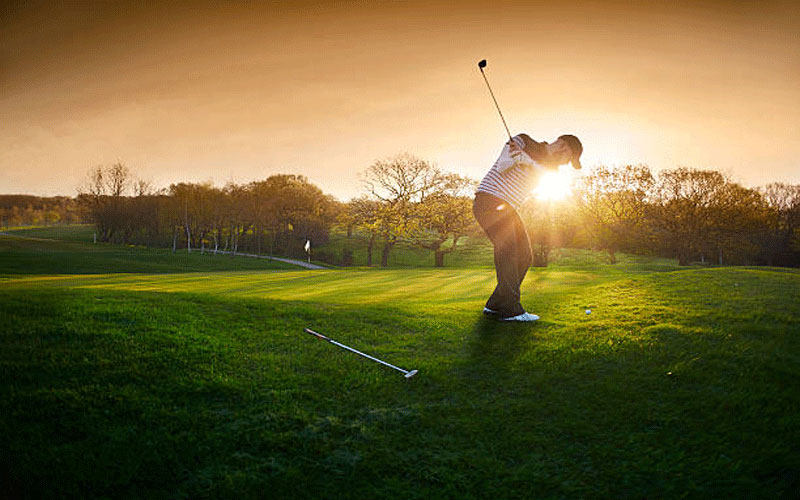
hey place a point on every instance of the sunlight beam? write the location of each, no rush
(553, 186)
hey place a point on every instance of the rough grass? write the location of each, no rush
(68, 249)
(80, 233)
(682, 383)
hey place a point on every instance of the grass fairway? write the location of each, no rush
(66, 250)
(682, 383)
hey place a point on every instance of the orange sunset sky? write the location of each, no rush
(237, 91)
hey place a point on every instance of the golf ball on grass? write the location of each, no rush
(588, 311)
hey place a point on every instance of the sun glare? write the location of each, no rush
(553, 186)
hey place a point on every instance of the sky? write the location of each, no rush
(200, 91)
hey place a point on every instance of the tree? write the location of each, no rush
(781, 244)
(613, 202)
(91, 196)
(292, 209)
(103, 196)
(736, 226)
(191, 207)
(142, 187)
(118, 179)
(363, 212)
(216, 219)
(347, 218)
(701, 213)
(549, 224)
(234, 214)
(399, 184)
(445, 215)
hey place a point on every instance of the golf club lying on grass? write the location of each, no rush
(407, 373)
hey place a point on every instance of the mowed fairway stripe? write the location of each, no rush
(455, 288)
(392, 287)
(560, 296)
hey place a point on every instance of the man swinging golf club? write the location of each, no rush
(502, 191)
(507, 185)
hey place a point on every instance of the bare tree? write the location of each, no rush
(102, 196)
(96, 182)
(118, 179)
(143, 187)
(402, 178)
(399, 184)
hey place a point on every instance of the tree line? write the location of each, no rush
(275, 215)
(406, 199)
(688, 214)
(28, 210)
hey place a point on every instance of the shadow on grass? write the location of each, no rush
(496, 344)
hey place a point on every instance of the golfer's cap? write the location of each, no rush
(576, 147)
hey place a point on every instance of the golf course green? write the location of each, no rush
(138, 373)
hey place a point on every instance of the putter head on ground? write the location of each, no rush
(411, 373)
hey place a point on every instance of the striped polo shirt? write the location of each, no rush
(513, 176)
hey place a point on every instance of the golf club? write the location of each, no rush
(407, 373)
(481, 65)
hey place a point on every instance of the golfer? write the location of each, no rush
(507, 185)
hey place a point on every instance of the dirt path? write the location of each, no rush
(296, 262)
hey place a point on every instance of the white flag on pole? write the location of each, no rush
(308, 245)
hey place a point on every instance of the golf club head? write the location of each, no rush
(312, 332)
(411, 373)
(482, 64)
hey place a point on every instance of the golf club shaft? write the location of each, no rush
(323, 337)
(495, 103)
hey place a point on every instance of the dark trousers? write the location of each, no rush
(512, 251)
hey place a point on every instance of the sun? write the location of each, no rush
(553, 186)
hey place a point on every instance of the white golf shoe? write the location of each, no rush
(488, 311)
(526, 317)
